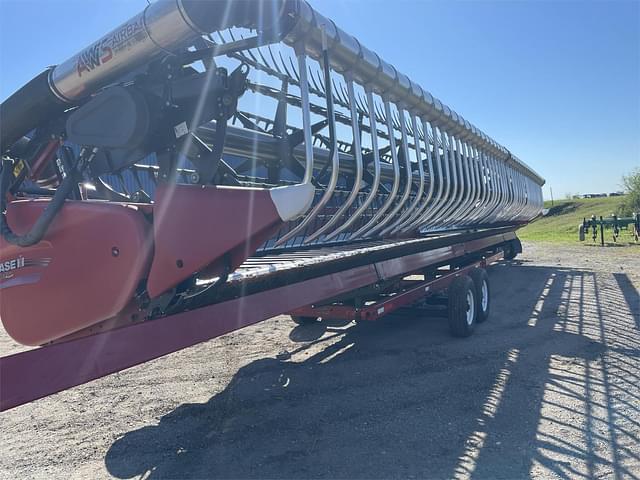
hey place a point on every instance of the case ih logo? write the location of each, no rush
(8, 268)
(104, 50)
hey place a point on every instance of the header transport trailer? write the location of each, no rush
(210, 164)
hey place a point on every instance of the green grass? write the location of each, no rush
(560, 225)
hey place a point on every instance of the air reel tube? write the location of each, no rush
(162, 27)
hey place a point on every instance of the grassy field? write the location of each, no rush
(561, 223)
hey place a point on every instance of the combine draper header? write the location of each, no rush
(140, 173)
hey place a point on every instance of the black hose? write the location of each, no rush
(40, 227)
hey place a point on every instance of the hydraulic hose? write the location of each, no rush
(40, 227)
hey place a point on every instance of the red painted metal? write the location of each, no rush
(420, 260)
(333, 312)
(416, 261)
(417, 290)
(43, 159)
(33, 374)
(36, 373)
(95, 254)
(413, 294)
(195, 226)
(85, 270)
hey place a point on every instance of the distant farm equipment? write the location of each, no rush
(598, 195)
(596, 226)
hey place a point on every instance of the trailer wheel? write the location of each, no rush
(512, 249)
(462, 307)
(509, 252)
(483, 293)
(300, 320)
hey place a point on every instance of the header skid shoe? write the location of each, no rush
(213, 229)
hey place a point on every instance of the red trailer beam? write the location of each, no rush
(34, 374)
(418, 290)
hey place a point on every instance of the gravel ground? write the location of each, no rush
(549, 387)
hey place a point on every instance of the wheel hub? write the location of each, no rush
(471, 311)
(485, 296)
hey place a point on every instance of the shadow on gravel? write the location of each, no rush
(547, 386)
(631, 296)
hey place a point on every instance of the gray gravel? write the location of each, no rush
(549, 387)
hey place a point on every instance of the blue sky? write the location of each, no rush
(558, 83)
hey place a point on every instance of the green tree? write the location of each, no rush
(631, 185)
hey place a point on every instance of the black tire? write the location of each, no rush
(462, 299)
(509, 252)
(482, 287)
(300, 320)
(512, 249)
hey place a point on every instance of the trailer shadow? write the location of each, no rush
(631, 296)
(549, 386)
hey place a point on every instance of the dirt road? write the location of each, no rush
(550, 386)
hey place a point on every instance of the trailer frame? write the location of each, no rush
(37, 373)
(410, 292)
